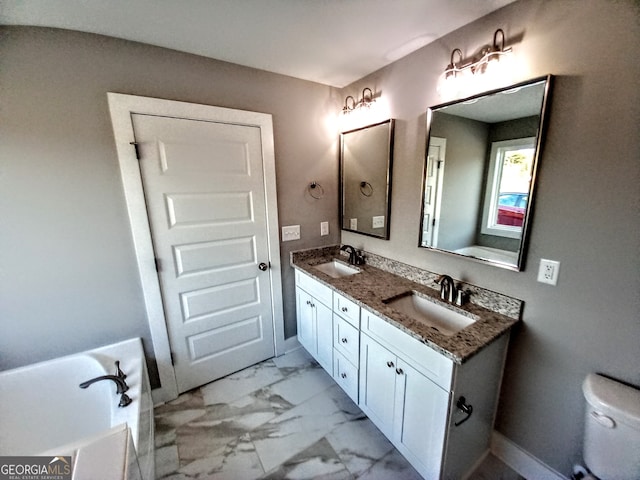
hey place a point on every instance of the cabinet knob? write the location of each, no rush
(343, 375)
(308, 302)
(313, 305)
(344, 309)
(390, 364)
(344, 340)
(263, 266)
(399, 371)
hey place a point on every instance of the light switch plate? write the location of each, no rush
(324, 228)
(548, 272)
(377, 222)
(291, 232)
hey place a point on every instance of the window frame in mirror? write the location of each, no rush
(519, 263)
(389, 169)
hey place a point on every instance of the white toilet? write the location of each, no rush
(612, 429)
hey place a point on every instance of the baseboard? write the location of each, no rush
(520, 460)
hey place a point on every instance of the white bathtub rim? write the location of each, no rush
(132, 363)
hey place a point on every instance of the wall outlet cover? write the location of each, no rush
(353, 224)
(548, 272)
(377, 222)
(324, 228)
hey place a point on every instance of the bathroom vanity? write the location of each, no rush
(431, 388)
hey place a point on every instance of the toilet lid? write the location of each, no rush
(620, 401)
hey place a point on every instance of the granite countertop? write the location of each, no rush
(373, 285)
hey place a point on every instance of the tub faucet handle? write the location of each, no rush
(119, 373)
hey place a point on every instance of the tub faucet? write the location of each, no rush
(355, 258)
(121, 385)
(447, 288)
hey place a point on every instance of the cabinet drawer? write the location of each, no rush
(346, 339)
(317, 290)
(347, 309)
(429, 362)
(346, 375)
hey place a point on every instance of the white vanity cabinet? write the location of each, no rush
(408, 389)
(329, 328)
(410, 392)
(404, 403)
(315, 319)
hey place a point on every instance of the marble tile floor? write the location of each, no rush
(284, 418)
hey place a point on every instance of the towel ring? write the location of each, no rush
(315, 190)
(366, 189)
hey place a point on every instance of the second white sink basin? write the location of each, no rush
(336, 269)
(446, 320)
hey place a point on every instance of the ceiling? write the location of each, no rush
(333, 42)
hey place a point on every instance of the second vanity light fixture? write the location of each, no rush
(350, 103)
(457, 77)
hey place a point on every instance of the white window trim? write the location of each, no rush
(491, 195)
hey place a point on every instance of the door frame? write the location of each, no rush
(121, 107)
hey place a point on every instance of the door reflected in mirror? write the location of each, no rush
(366, 157)
(480, 169)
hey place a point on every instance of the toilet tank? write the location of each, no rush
(612, 428)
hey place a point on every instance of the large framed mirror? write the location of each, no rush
(480, 172)
(366, 160)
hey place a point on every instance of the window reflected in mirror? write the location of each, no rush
(479, 175)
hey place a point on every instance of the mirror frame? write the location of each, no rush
(526, 225)
(387, 213)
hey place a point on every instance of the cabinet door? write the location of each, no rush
(306, 327)
(324, 335)
(421, 422)
(377, 384)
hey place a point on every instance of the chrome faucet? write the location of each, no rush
(355, 257)
(118, 379)
(447, 288)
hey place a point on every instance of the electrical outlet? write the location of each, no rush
(353, 224)
(548, 272)
(292, 232)
(324, 228)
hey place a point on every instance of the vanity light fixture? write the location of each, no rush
(366, 101)
(457, 76)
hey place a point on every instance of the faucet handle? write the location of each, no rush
(119, 373)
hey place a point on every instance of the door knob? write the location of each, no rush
(263, 266)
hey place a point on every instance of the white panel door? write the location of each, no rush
(204, 190)
(433, 191)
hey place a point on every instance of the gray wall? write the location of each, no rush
(586, 214)
(69, 280)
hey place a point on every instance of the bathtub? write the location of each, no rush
(43, 411)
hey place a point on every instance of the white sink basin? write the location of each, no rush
(336, 269)
(446, 320)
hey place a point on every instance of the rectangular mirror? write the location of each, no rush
(366, 158)
(480, 170)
